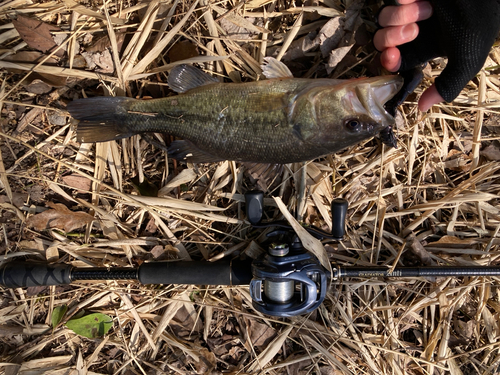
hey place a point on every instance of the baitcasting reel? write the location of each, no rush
(288, 280)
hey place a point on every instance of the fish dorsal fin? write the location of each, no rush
(273, 68)
(185, 77)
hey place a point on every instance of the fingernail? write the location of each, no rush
(410, 31)
(425, 10)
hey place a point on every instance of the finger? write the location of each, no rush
(402, 2)
(404, 14)
(391, 59)
(430, 97)
(394, 36)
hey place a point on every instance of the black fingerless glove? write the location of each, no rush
(461, 30)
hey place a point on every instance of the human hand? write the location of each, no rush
(399, 27)
(462, 30)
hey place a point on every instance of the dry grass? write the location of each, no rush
(441, 185)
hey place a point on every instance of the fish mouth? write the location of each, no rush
(367, 96)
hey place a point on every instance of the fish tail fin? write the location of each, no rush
(101, 119)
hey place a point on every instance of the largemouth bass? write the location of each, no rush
(278, 120)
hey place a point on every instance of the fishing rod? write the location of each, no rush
(286, 281)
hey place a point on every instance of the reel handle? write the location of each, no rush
(255, 203)
(254, 207)
(339, 213)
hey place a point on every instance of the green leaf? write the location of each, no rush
(58, 314)
(91, 326)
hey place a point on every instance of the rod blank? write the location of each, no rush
(418, 271)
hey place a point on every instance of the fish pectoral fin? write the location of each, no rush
(188, 151)
(273, 68)
(185, 77)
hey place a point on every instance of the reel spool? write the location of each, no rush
(287, 283)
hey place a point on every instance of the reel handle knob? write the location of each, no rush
(339, 213)
(255, 202)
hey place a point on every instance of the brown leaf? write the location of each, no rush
(52, 80)
(100, 62)
(38, 87)
(330, 35)
(18, 199)
(235, 31)
(77, 182)
(260, 334)
(207, 362)
(457, 161)
(158, 252)
(30, 57)
(182, 50)
(59, 217)
(491, 152)
(36, 57)
(420, 251)
(465, 329)
(336, 56)
(102, 43)
(454, 241)
(37, 34)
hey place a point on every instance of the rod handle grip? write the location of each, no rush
(339, 213)
(236, 272)
(25, 274)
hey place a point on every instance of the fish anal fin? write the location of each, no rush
(187, 151)
(185, 77)
(97, 131)
(273, 68)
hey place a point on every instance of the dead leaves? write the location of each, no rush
(419, 250)
(491, 152)
(101, 62)
(59, 217)
(78, 182)
(457, 161)
(182, 50)
(334, 40)
(37, 34)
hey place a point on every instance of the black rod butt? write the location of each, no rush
(25, 274)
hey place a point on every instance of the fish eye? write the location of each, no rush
(353, 125)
